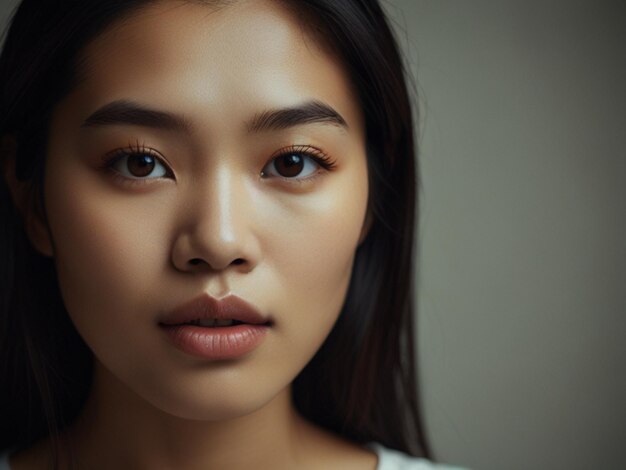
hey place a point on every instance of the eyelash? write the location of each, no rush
(111, 158)
(315, 154)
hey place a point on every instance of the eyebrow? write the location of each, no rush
(129, 112)
(306, 113)
(132, 113)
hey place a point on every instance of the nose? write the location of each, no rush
(216, 231)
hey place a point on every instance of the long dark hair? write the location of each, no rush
(362, 382)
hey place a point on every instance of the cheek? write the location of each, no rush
(326, 231)
(107, 256)
(316, 252)
(314, 257)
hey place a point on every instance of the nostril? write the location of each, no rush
(197, 261)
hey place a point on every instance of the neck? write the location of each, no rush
(119, 429)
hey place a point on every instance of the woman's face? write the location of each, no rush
(205, 184)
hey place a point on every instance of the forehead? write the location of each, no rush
(197, 56)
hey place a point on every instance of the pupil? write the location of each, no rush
(140, 165)
(290, 165)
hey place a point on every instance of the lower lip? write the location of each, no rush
(217, 343)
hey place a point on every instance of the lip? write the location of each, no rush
(206, 307)
(219, 342)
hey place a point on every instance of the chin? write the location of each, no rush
(214, 405)
(222, 410)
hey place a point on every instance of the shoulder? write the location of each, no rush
(390, 459)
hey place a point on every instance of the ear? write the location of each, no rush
(25, 196)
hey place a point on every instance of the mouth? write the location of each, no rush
(214, 322)
(212, 329)
(206, 311)
(217, 323)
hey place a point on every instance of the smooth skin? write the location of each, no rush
(212, 212)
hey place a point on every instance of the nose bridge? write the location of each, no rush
(224, 205)
(221, 205)
(220, 219)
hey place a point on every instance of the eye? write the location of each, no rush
(137, 164)
(297, 163)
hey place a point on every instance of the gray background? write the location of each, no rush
(523, 257)
(523, 222)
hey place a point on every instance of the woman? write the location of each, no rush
(207, 253)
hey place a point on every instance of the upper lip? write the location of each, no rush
(206, 307)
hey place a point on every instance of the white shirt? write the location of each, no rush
(389, 459)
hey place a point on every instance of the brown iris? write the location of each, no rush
(140, 164)
(289, 165)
